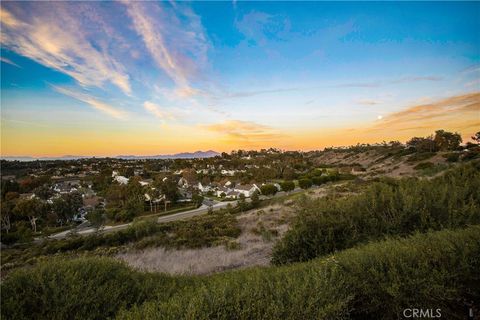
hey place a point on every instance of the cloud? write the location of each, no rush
(454, 113)
(3, 59)
(244, 131)
(369, 102)
(55, 37)
(380, 83)
(175, 38)
(157, 111)
(93, 102)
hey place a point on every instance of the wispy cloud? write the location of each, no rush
(93, 102)
(369, 102)
(158, 111)
(457, 112)
(244, 131)
(174, 37)
(379, 83)
(57, 38)
(3, 59)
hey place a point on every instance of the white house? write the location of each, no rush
(232, 194)
(221, 190)
(121, 179)
(247, 189)
(227, 172)
(203, 188)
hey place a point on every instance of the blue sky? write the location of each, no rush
(106, 78)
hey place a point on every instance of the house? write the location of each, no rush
(145, 182)
(66, 186)
(121, 179)
(232, 194)
(204, 189)
(228, 172)
(247, 189)
(221, 190)
(27, 196)
(186, 183)
(81, 215)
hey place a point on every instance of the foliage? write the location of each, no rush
(386, 208)
(268, 189)
(287, 185)
(376, 281)
(201, 231)
(305, 183)
(452, 157)
(87, 288)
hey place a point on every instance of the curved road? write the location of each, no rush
(168, 218)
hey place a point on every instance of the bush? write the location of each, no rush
(305, 183)
(452, 157)
(387, 207)
(375, 281)
(88, 288)
(268, 189)
(287, 186)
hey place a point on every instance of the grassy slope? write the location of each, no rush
(373, 281)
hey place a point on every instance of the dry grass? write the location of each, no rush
(199, 261)
(254, 249)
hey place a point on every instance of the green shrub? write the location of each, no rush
(305, 183)
(287, 185)
(268, 189)
(375, 281)
(388, 207)
(452, 157)
(88, 288)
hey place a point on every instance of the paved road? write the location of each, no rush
(168, 218)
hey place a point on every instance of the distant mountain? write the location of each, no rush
(183, 155)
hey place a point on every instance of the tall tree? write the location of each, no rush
(33, 209)
(445, 140)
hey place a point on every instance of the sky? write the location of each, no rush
(147, 78)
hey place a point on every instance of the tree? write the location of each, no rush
(445, 140)
(43, 192)
(96, 217)
(287, 185)
(241, 203)
(67, 206)
(33, 209)
(422, 144)
(255, 200)
(476, 137)
(7, 208)
(268, 189)
(197, 200)
(170, 190)
(305, 183)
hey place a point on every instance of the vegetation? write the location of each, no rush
(197, 232)
(388, 207)
(436, 269)
(268, 189)
(287, 185)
